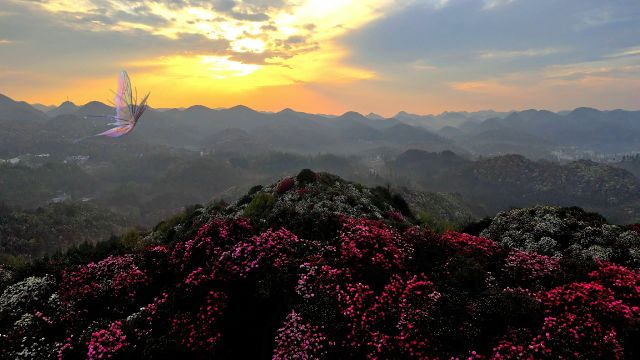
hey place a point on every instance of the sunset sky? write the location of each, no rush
(327, 56)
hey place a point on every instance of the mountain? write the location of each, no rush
(374, 116)
(235, 141)
(286, 130)
(66, 108)
(43, 108)
(195, 127)
(312, 266)
(499, 183)
(18, 110)
(95, 108)
(436, 122)
(581, 133)
(578, 131)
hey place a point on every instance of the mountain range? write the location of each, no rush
(184, 156)
(581, 133)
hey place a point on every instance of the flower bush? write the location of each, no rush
(531, 269)
(328, 273)
(106, 343)
(285, 185)
(555, 231)
(116, 276)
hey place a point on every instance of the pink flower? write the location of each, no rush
(104, 344)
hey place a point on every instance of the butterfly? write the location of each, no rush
(128, 110)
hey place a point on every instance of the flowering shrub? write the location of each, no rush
(306, 176)
(105, 343)
(200, 331)
(624, 282)
(285, 185)
(300, 340)
(531, 268)
(116, 276)
(470, 245)
(271, 248)
(313, 211)
(26, 294)
(328, 273)
(370, 244)
(555, 231)
(568, 337)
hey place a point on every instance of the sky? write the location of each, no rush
(327, 56)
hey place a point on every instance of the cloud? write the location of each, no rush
(278, 28)
(632, 51)
(484, 54)
(421, 65)
(515, 54)
(189, 46)
(478, 86)
(492, 4)
(455, 53)
(594, 18)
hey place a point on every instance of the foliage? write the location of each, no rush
(334, 271)
(369, 290)
(306, 176)
(55, 227)
(260, 206)
(313, 208)
(571, 231)
(499, 183)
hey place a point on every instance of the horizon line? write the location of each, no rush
(326, 114)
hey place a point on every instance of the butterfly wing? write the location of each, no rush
(139, 109)
(124, 98)
(128, 112)
(117, 131)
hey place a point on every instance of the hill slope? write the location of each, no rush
(499, 183)
(357, 285)
(57, 227)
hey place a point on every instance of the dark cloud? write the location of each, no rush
(297, 39)
(269, 27)
(258, 17)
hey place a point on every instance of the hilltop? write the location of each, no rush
(313, 266)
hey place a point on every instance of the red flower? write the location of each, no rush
(285, 185)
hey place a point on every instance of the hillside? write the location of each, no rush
(499, 183)
(316, 267)
(32, 234)
(537, 133)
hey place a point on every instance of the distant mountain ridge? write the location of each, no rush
(582, 132)
(18, 110)
(287, 130)
(501, 182)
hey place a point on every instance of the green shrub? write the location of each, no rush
(306, 176)
(260, 206)
(434, 223)
(255, 189)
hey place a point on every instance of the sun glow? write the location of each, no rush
(222, 67)
(246, 48)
